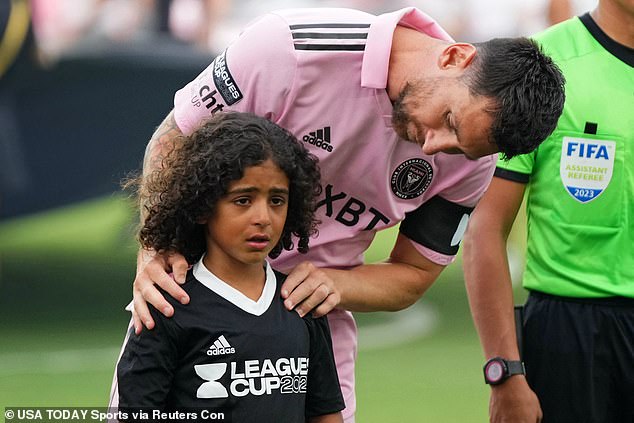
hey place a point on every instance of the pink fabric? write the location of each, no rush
(344, 330)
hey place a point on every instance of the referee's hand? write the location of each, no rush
(308, 288)
(152, 269)
(514, 402)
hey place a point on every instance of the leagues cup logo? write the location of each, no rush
(586, 167)
(411, 178)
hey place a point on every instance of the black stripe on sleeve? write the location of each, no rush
(511, 175)
(329, 25)
(331, 47)
(333, 35)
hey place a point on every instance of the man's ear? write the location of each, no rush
(457, 55)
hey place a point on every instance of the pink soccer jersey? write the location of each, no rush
(322, 74)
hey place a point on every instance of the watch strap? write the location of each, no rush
(515, 368)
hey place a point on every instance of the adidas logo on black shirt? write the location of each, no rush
(220, 347)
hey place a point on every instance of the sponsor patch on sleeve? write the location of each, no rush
(224, 82)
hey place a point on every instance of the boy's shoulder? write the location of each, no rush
(309, 319)
(191, 286)
(188, 286)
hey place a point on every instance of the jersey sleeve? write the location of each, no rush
(254, 74)
(324, 394)
(146, 368)
(437, 226)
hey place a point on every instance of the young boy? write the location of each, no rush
(234, 192)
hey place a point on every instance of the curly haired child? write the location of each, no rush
(236, 191)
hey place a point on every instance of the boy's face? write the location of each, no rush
(248, 221)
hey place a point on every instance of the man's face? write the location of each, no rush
(440, 115)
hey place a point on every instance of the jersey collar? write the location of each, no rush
(376, 57)
(621, 52)
(237, 298)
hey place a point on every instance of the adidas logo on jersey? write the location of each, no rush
(220, 347)
(320, 139)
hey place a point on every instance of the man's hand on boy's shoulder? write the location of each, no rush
(154, 268)
(308, 288)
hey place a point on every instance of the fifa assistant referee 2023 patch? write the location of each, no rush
(586, 166)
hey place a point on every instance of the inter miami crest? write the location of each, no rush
(411, 178)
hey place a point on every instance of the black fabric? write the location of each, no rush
(434, 224)
(162, 368)
(510, 175)
(319, 399)
(579, 357)
(591, 128)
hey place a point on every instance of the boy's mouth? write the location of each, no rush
(259, 241)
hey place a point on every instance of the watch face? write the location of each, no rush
(494, 371)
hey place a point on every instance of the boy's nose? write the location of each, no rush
(261, 214)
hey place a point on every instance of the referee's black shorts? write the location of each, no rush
(579, 357)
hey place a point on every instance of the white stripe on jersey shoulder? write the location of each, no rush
(330, 36)
(237, 298)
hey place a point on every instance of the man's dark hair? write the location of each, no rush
(527, 86)
(197, 172)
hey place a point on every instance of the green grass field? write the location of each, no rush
(66, 275)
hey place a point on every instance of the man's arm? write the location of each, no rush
(489, 288)
(389, 286)
(153, 268)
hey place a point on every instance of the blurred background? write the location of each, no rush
(83, 84)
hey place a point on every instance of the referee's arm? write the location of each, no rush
(488, 283)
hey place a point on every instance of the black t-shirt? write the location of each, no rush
(252, 361)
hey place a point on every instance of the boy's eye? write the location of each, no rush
(242, 201)
(278, 201)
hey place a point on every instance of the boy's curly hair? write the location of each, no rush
(197, 172)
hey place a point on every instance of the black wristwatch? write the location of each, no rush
(497, 370)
